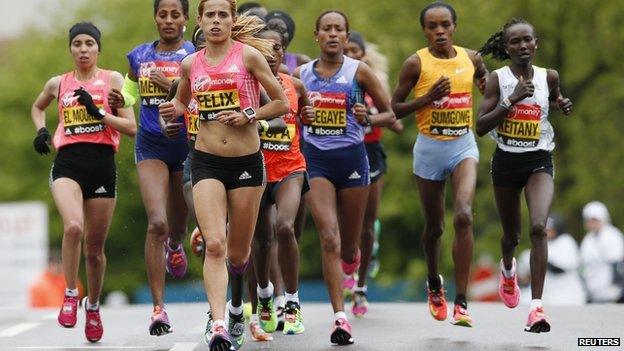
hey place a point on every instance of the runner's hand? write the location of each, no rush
(171, 129)
(158, 78)
(306, 115)
(167, 110)
(440, 89)
(115, 99)
(523, 89)
(565, 105)
(232, 118)
(41, 141)
(85, 99)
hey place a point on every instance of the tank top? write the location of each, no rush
(334, 125)
(451, 116)
(526, 127)
(282, 155)
(75, 124)
(373, 134)
(142, 60)
(226, 86)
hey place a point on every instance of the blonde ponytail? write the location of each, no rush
(244, 30)
(378, 62)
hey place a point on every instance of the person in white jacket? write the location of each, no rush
(563, 285)
(602, 250)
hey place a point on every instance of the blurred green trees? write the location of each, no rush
(582, 40)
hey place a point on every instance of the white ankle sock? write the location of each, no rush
(236, 310)
(509, 273)
(92, 307)
(535, 303)
(265, 293)
(71, 292)
(340, 314)
(292, 297)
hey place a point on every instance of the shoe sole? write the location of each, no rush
(538, 327)
(95, 340)
(341, 337)
(294, 332)
(462, 323)
(160, 329)
(220, 344)
(67, 325)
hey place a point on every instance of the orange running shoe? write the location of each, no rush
(437, 301)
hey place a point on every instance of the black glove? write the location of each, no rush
(41, 142)
(85, 99)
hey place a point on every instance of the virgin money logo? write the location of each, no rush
(68, 99)
(146, 68)
(315, 98)
(202, 83)
(453, 101)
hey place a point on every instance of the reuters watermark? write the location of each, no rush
(599, 342)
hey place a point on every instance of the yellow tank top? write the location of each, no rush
(451, 116)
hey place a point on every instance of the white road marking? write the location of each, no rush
(184, 346)
(18, 329)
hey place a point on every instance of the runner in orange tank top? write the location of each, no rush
(442, 76)
(83, 176)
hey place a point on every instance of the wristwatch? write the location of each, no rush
(250, 113)
(505, 103)
(102, 113)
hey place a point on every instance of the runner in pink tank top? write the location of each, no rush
(83, 176)
(227, 167)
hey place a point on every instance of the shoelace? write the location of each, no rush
(509, 285)
(176, 258)
(93, 318)
(218, 329)
(436, 297)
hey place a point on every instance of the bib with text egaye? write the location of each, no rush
(330, 113)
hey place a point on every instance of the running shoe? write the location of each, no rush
(461, 317)
(537, 323)
(176, 260)
(293, 320)
(508, 288)
(93, 323)
(437, 301)
(197, 243)
(360, 304)
(235, 328)
(257, 334)
(208, 331)
(267, 315)
(219, 339)
(160, 322)
(69, 310)
(348, 284)
(341, 335)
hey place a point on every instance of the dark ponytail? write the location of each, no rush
(495, 45)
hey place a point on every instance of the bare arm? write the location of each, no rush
(368, 80)
(177, 106)
(555, 97)
(257, 65)
(481, 72)
(124, 121)
(490, 114)
(306, 112)
(49, 92)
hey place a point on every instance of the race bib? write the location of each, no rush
(278, 141)
(330, 114)
(152, 94)
(521, 128)
(215, 93)
(192, 119)
(451, 115)
(76, 120)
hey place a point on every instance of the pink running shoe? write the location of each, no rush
(348, 284)
(160, 322)
(219, 338)
(537, 323)
(67, 315)
(461, 317)
(360, 304)
(93, 324)
(257, 334)
(176, 260)
(351, 268)
(508, 289)
(341, 335)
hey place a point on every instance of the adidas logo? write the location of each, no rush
(182, 52)
(98, 82)
(233, 69)
(355, 175)
(435, 131)
(244, 176)
(68, 132)
(341, 80)
(100, 190)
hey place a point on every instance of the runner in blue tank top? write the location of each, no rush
(336, 156)
(153, 67)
